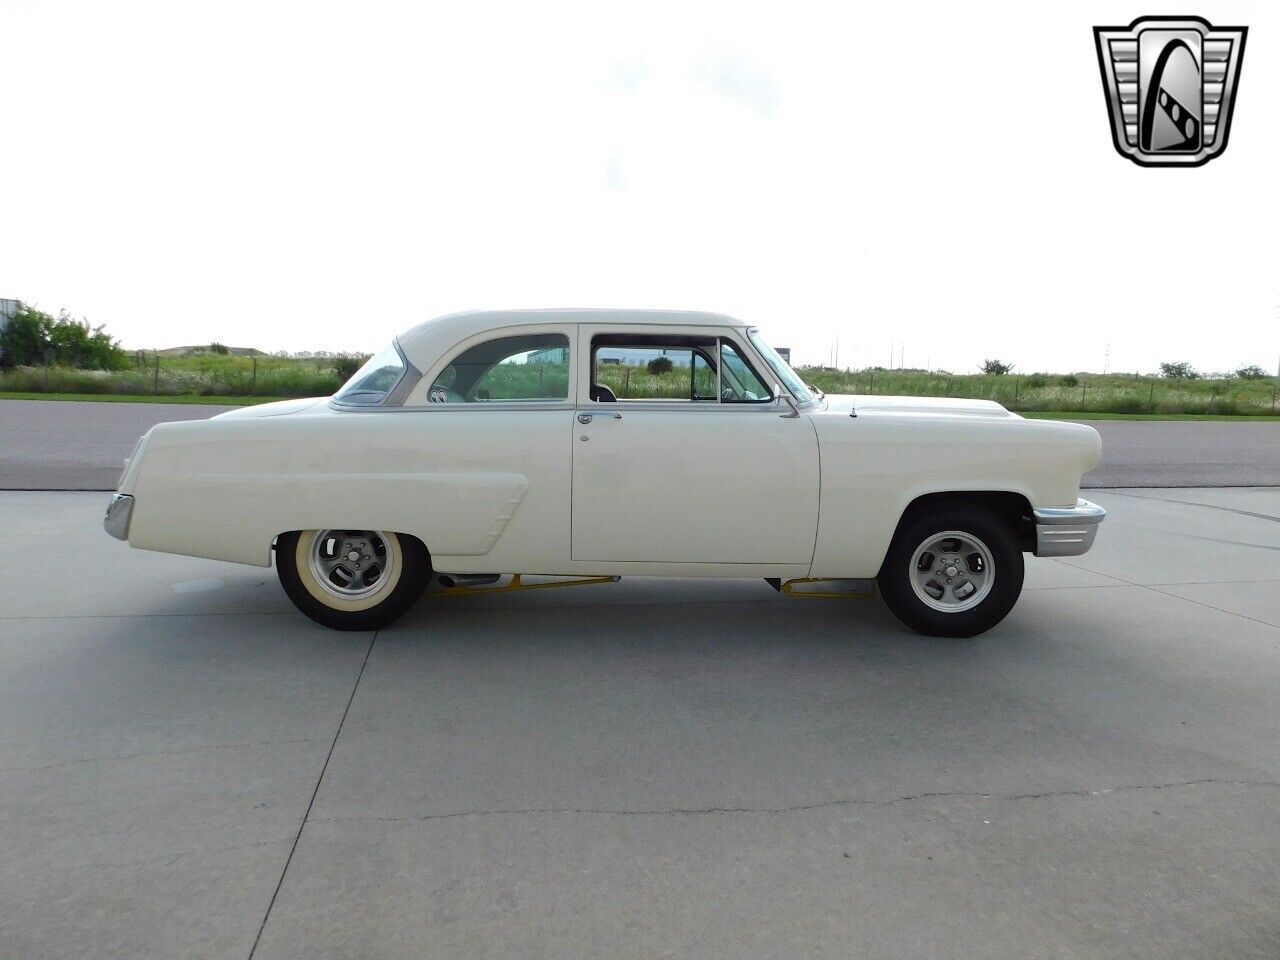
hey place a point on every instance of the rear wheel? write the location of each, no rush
(352, 579)
(952, 571)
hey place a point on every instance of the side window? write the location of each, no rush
(532, 367)
(690, 368)
(704, 378)
(372, 384)
(625, 371)
(739, 383)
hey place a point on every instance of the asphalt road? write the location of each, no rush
(67, 445)
(48, 445)
(1187, 453)
(189, 768)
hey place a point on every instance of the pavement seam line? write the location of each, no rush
(805, 807)
(1177, 596)
(1196, 536)
(1197, 503)
(315, 791)
(1210, 606)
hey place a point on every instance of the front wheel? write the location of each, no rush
(952, 571)
(352, 579)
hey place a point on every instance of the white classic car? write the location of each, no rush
(605, 443)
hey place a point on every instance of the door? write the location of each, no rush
(681, 480)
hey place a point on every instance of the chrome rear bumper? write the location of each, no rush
(1067, 531)
(119, 513)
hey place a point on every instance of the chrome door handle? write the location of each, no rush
(584, 418)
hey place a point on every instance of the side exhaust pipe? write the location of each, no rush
(451, 580)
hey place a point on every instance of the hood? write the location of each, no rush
(933, 406)
(279, 408)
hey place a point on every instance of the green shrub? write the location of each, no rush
(660, 365)
(33, 337)
(1252, 372)
(1178, 370)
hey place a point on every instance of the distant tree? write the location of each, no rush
(660, 365)
(220, 348)
(996, 367)
(1179, 370)
(25, 338)
(1069, 380)
(76, 344)
(1252, 372)
(32, 337)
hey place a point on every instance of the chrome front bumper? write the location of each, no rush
(119, 513)
(1067, 531)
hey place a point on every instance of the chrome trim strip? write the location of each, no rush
(493, 406)
(1083, 512)
(1067, 531)
(119, 513)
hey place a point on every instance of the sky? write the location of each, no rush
(922, 184)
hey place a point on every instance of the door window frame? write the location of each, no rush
(587, 334)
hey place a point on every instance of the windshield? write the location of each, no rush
(780, 367)
(373, 382)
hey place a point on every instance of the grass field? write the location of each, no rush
(1220, 417)
(217, 378)
(1080, 393)
(204, 374)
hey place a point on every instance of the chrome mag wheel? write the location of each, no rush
(351, 564)
(952, 571)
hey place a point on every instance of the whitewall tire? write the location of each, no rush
(352, 579)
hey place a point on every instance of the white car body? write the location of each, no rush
(788, 488)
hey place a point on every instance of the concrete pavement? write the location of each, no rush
(651, 768)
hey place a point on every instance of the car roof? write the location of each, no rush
(424, 343)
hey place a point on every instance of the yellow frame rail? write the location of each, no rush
(788, 589)
(517, 585)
